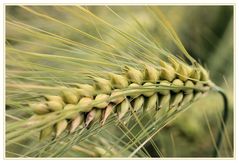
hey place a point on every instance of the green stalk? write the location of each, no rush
(223, 122)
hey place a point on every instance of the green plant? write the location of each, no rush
(77, 73)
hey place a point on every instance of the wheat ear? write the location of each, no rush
(171, 86)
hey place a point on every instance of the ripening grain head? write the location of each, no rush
(73, 71)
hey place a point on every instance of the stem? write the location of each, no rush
(223, 122)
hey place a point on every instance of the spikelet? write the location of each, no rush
(60, 127)
(197, 95)
(183, 71)
(174, 63)
(199, 85)
(39, 108)
(202, 87)
(164, 101)
(34, 119)
(123, 108)
(178, 83)
(116, 96)
(138, 103)
(151, 103)
(85, 90)
(70, 96)
(133, 75)
(102, 85)
(71, 114)
(134, 87)
(195, 74)
(188, 83)
(77, 122)
(167, 72)
(86, 87)
(106, 113)
(93, 115)
(46, 132)
(151, 106)
(104, 98)
(85, 104)
(165, 91)
(54, 105)
(118, 81)
(149, 93)
(176, 99)
(54, 98)
(90, 116)
(98, 115)
(186, 99)
(151, 74)
(204, 74)
(205, 88)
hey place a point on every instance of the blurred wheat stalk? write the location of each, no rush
(52, 48)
